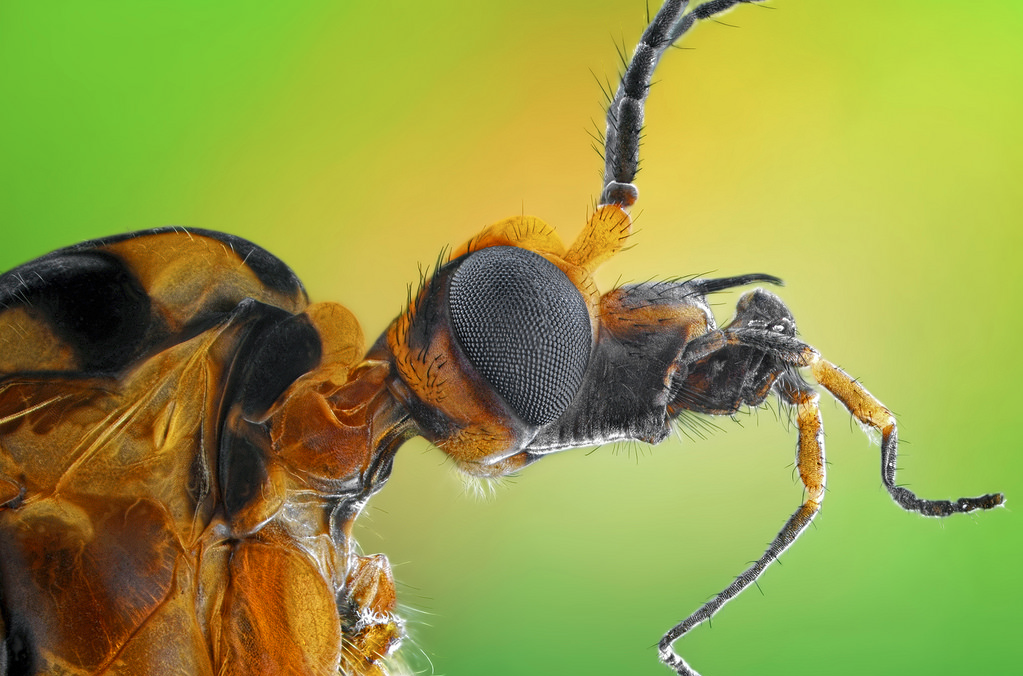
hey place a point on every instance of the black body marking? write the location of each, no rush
(278, 348)
(93, 302)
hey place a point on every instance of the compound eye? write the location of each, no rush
(525, 328)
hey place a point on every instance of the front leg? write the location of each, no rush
(869, 411)
(371, 630)
(810, 461)
(739, 365)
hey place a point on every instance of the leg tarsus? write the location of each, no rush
(796, 524)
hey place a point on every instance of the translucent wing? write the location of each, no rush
(108, 485)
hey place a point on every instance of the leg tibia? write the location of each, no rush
(810, 450)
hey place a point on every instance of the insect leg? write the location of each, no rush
(371, 629)
(810, 462)
(869, 411)
(625, 111)
(787, 348)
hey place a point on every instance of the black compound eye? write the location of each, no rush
(524, 326)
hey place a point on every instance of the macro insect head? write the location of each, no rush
(186, 441)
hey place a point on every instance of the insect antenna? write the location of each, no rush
(625, 112)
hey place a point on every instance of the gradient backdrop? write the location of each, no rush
(870, 153)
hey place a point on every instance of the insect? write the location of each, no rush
(252, 499)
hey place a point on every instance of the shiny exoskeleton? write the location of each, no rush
(186, 441)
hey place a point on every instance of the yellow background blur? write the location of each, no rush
(870, 153)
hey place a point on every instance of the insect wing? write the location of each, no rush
(112, 486)
(116, 363)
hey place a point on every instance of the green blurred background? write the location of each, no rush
(870, 153)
